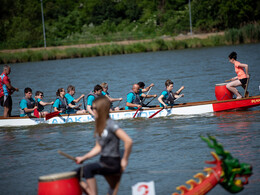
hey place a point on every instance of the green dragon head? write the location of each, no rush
(233, 171)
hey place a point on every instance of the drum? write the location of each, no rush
(222, 93)
(62, 183)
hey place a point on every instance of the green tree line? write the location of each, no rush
(88, 21)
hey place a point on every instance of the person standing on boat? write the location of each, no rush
(241, 78)
(108, 135)
(167, 97)
(60, 103)
(6, 89)
(41, 104)
(73, 109)
(97, 92)
(133, 100)
(27, 104)
(105, 93)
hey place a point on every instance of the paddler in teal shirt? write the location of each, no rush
(92, 96)
(167, 97)
(72, 108)
(105, 93)
(133, 100)
(27, 104)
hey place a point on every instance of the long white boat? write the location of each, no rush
(192, 108)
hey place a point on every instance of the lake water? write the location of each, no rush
(166, 150)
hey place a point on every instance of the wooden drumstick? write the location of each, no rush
(66, 155)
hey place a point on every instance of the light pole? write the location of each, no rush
(190, 18)
(43, 27)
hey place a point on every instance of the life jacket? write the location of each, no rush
(92, 93)
(170, 98)
(73, 103)
(40, 107)
(141, 98)
(3, 88)
(64, 104)
(1, 83)
(137, 99)
(30, 105)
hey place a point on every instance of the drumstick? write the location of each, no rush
(66, 155)
(227, 80)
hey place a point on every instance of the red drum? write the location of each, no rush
(222, 93)
(59, 184)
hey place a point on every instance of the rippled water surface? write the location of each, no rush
(166, 150)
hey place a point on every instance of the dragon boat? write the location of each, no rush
(191, 108)
(228, 172)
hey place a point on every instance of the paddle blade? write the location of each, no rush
(66, 155)
(36, 113)
(156, 113)
(136, 112)
(51, 115)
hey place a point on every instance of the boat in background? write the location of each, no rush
(192, 108)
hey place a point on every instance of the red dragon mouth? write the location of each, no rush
(241, 180)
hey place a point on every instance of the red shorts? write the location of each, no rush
(6, 101)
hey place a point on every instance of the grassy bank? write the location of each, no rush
(247, 34)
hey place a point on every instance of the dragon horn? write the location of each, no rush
(200, 176)
(216, 157)
(207, 141)
(182, 188)
(192, 183)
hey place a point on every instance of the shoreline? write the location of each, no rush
(127, 42)
(162, 43)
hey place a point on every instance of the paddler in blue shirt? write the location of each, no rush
(92, 96)
(133, 100)
(142, 89)
(105, 93)
(142, 85)
(60, 103)
(167, 97)
(73, 109)
(27, 104)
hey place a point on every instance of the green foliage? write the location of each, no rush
(90, 21)
(247, 34)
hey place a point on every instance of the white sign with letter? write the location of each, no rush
(143, 188)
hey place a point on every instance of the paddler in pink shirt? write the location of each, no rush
(241, 78)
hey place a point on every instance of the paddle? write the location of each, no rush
(228, 80)
(156, 113)
(51, 115)
(146, 95)
(136, 111)
(84, 103)
(35, 111)
(142, 102)
(66, 155)
(163, 108)
(149, 101)
(246, 92)
(118, 103)
(51, 108)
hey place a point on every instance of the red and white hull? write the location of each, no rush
(192, 108)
